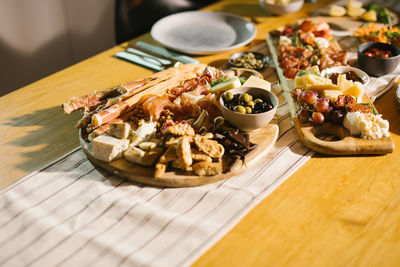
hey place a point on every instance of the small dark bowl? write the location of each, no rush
(378, 66)
(264, 58)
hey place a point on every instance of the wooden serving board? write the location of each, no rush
(264, 137)
(310, 135)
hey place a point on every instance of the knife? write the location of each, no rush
(166, 53)
(148, 55)
(139, 60)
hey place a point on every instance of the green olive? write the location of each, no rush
(228, 96)
(248, 110)
(250, 104)
(258, 100)
(245, 98)
(240, 109)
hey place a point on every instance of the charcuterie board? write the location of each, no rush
(264, 138)
(341, 142)
(153, 131)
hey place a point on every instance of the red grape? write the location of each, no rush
(337, 116)
(328, 113)
(310, 97)
(300, 97)
(295, 93)
(303, 115)
(318, 118)
(321, 105)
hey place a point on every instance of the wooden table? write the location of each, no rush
(334, 211)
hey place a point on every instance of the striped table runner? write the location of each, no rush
(70, 213)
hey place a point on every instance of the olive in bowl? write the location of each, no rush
(249, 60)
(378, 59)
(248, 108)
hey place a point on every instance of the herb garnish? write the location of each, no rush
(371, 107)
(218, 81)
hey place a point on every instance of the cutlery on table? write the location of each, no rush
(139, 60)
(160, 51)
(153, 57)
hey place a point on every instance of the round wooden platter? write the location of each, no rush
(264, 137)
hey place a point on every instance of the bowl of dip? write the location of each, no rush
(353, 74)
(378, 59)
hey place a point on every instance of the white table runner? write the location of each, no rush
(70, 213)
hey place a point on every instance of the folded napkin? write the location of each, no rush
(377, 86)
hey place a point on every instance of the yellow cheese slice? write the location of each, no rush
(222, 87)
(342, 83)
(332, 94)
(254, 81)
(357, 90)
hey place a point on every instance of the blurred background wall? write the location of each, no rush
(40, 37)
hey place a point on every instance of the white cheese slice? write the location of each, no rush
(146, 146)
(108, 148)
(144, 132)
(254, 81)
(284, 40)
(134, 154)
(322, 43)
(120, 130)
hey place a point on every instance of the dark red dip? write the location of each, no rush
(380, 53)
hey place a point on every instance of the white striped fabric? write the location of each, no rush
(72, 214)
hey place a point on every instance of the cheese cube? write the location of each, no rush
(144, 132)
(134, 154)
(108, 148)
(120, 130)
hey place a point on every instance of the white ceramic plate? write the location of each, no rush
(203, 32)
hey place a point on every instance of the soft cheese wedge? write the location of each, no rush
(108, 148)
(143, 133)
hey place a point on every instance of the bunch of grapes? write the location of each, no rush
(317, 109)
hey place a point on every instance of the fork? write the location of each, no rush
(165, 63)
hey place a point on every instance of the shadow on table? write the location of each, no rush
(47, 141)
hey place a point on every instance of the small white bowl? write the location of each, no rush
(249, 122)
(281, 9)
(343, 69)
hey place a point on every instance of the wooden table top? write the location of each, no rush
(333, 211)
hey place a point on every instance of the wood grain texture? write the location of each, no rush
(334, 211)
